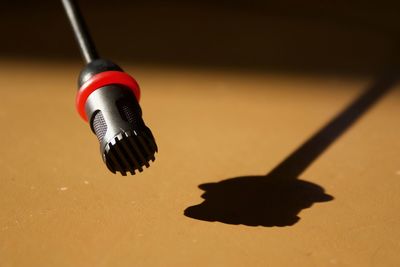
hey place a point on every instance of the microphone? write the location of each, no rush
(108, 99)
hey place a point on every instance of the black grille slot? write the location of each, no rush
(127, 110)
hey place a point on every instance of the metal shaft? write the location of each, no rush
(81, 32)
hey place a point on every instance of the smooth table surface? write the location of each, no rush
(59, 205)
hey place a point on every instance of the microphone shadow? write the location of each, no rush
(277, 198)
(256, 201)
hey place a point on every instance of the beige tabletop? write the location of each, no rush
(254, 169)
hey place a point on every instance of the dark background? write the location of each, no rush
(347, 37)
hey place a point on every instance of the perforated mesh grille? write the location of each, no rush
(99, 125)
(126, 111)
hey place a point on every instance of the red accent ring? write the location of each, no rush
(100, 80)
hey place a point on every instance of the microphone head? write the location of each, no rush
(126, 143)
(108, 100)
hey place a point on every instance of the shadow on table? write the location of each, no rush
(277, 198)
(256, 200)
(253, 36)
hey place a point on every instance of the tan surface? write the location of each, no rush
(61, 207)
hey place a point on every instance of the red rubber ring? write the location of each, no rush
(100, 80)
